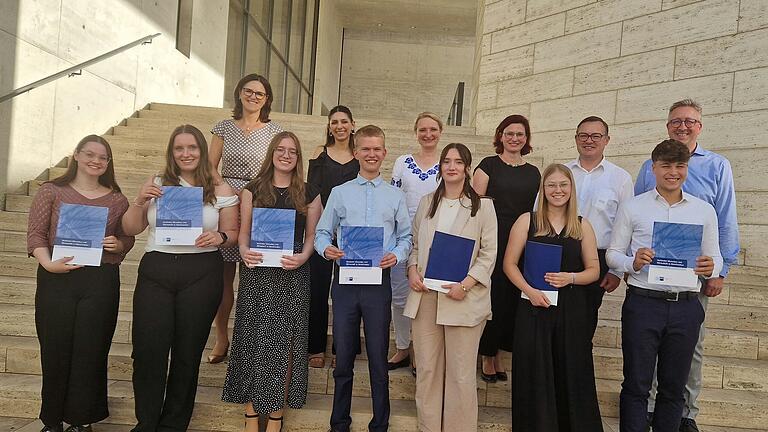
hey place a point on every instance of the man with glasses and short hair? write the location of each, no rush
(709, 178)
(601, 187)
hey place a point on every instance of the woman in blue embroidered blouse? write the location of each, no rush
(416, 175)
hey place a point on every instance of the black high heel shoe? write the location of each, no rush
(280, 419)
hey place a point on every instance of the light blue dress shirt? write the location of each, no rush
(710, 178)
(373, 203)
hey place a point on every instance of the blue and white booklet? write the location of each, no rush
(272, 232)
(363, 249)
(676, 247)
(80, 233)
(449, 259)
(179, 216)
(542, 258)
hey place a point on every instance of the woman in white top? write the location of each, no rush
(447, 326)
(416, 174)
(178, 288)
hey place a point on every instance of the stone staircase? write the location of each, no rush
(735, 397)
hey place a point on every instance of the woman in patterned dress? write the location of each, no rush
(416, 175)
(268, 366)
(240, 145)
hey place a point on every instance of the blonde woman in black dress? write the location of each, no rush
(268, 367)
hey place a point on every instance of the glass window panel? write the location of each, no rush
(281, 18)
(277, 80)
(298, 16)
(308, 43)
(259, 10)
(256, 54)
(292, 95)
(232, 70)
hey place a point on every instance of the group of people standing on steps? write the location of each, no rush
(281, 314)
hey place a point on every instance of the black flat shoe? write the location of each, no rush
(489, 378)
(79, 428)
(280, 419)
(501, 376)
(401, 364)
(413, 372)
(57, 428)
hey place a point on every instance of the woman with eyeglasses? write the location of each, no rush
(239, 145)
(332, 164)
(512, 183)
(76, 306)
(268, 367)
(179, 287)
(553, 378)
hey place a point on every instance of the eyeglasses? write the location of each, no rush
(554, 186)
(689, 122)
(585, 136)
(248, 93)
(91, 156)
(282, 151)
(511, 135)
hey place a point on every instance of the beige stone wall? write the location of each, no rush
(557, 61)
(328, 66)
(402, 74)
(41, 37)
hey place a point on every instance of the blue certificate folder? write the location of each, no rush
(542, 258)
(363, 249)
(272, 234)
(676, 247)
(449, 260)
(80, 233)
(179, 215)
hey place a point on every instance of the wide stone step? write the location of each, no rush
(15, 264)
(19, 397)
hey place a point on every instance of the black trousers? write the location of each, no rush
(595, 293)
(372, 303)
(320, 285)
(175, 301)
(659, 334)
(75, 317)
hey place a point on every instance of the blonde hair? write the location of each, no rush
(572, 223)
(429, 115)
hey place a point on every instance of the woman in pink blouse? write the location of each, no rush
(76, 306)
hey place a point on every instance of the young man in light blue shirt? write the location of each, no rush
(660, 322)
(365, 201)
(710, 178)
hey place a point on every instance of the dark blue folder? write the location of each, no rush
(449, 257)
(541, 258)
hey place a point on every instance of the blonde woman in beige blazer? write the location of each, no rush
(447, 326)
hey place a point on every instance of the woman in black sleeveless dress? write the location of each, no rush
(332, 165)
(553, 375)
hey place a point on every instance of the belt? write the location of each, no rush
(665, 295)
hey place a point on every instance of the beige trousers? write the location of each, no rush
(446, 382)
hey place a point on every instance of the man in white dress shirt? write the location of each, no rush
(601, 187)
(659, 322)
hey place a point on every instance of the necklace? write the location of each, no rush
(452, 202)
(248, 128)
(283, 191)
(512, 164)
(78, 187)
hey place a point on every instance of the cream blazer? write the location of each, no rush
(476, 305)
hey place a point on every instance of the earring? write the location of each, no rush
(353, 132)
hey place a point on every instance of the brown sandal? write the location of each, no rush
(317, 361)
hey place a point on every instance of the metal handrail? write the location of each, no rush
(72, 71)
(457, 106)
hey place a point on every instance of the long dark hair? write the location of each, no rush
(466, 157)
(107, 179)
(261, 186)
(513, 119)
(329, 137)
(203, 176)
(237, 111)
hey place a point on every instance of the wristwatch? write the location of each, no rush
(463, 288)
(224, 236)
